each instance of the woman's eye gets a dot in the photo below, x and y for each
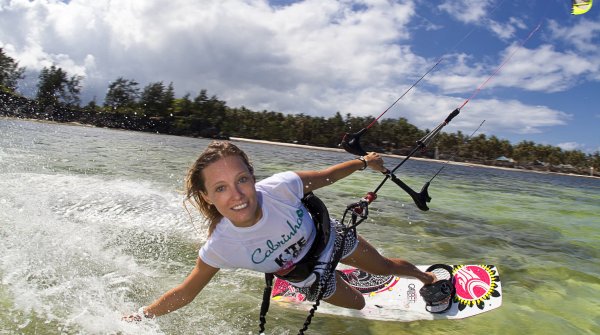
(243, 180)
(220, 189)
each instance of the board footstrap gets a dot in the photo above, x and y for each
(439, 295)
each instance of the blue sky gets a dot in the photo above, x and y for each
(319, 57)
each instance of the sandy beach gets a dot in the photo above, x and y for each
(240, 139)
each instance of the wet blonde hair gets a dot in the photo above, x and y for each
(195, 183)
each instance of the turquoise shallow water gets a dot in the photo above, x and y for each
(92, 226)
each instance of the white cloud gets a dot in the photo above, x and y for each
(584, 34)
(313, 57)
(567, 146)
(480, 14)
(246, 52)
(466, 11)
(543, 69)
(502, 117)
(508, 30)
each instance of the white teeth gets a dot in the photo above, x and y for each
(242, 206)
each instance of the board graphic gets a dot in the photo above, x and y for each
(478, 290)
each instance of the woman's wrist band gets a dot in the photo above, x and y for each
(365, 164)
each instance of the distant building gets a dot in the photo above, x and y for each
(505, 159)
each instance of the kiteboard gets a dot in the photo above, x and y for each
(393, 298)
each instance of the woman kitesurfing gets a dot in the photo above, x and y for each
(265, 226)
(277, 226)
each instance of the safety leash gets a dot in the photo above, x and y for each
(266, 301)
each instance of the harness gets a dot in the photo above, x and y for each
(306, 266)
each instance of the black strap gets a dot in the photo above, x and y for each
(264, 307)
(330, 268)
(439, 295)
(305, 267)
(320, 216)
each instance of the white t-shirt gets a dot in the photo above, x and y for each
(281, 238)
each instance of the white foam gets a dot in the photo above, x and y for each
(68, 247)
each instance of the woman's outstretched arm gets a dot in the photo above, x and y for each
(180, 295)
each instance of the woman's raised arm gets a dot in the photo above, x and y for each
(313, 180)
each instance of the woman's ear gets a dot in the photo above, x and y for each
(205, 197)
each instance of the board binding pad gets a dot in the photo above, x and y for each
(393, 298)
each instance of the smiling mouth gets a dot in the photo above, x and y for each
(240, 206)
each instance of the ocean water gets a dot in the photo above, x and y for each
(92, 226)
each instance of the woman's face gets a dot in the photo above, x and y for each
(230, 188)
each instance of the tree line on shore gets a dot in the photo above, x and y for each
(155, 108)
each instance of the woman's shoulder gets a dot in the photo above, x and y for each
(280, 177)
(286, 186)
(279, 180)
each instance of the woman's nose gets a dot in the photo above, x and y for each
(237, 192)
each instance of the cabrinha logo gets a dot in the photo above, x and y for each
(474, 285)
(292, 251)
